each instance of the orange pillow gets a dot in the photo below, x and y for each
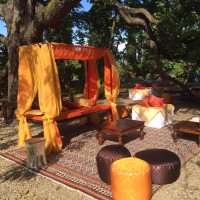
(155, 101)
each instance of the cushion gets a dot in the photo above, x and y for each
(33, 112)
(155, 101)
(83, 102)
(64, 108)
(144, 102)
(70, 105)
(140, 87)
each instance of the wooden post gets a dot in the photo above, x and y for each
(35, 153)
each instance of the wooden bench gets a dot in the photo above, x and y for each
(76, 113)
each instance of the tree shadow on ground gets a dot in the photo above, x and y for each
(15, 172)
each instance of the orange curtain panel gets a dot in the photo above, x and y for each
(111, 77)
(111, 82)
(49, 95)
(92, 83)
(37, 69)
(27, 88)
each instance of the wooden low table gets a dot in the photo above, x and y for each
(121, 127)
(187, 127)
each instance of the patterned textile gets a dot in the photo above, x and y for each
(76, 166)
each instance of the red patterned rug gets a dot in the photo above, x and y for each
(76, 165)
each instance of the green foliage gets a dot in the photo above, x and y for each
(3, 1)
(175, 69)
(177, 36)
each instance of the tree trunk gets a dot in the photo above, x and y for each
(12, 79)
(26, 21)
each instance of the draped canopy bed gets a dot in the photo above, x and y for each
(38, 75)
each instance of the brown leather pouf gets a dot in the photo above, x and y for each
(106, 156)
(165, 165)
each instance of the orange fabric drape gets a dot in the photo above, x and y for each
(25, 97)
(111, 82)
(92, 83)
(49, 95)
(111, 77)
(76, 52)
(37, 69)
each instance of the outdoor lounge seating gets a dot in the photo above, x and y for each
(165, 165)
(153, 111)
(131, 179)
(38, 77)
(106, 156)
(36, 157)
(66, 115)
(153, 116)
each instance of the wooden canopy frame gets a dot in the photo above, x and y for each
(38, 74)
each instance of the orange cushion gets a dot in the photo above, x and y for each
(33, 113)
(83, 102)
(155, 101)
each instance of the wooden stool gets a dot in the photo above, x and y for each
(131, 179)
(35, 153)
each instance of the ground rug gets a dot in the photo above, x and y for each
(76, 166)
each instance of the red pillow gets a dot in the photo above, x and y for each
(155, 101)
(144, 102)
(70, 105)
(140, 87)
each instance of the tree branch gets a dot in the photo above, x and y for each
(131, 13)
(52, 14)
(2, 9)
(135, 11)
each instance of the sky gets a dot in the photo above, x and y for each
(3, 29)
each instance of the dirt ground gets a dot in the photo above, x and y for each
(17, 182)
